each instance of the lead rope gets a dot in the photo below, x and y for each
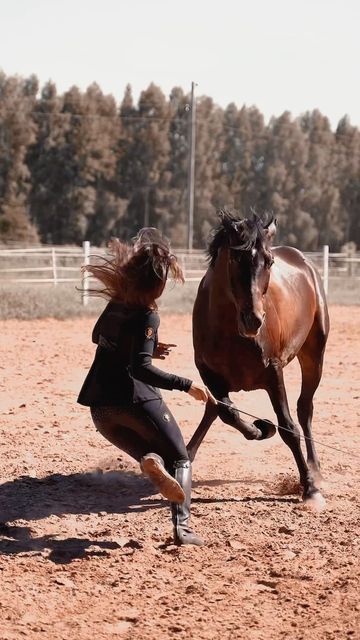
(322, 444)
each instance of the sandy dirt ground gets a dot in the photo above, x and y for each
(85, 542)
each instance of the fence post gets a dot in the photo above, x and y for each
(326, 267)
(54, 266)
(183, 265)
(351, 255)
(85, 277)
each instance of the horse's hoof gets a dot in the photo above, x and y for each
(266, 427)
(315, 502)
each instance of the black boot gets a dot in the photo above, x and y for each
(181, 512)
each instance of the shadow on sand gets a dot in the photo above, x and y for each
(115, 492)
(29, 498)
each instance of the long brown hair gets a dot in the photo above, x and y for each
(136, 274)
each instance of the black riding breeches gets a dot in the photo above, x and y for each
(143, 428)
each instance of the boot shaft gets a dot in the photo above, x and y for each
(181, 512)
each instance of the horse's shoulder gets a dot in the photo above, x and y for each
(289, 255)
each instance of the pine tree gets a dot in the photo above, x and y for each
(287, 183)
(174, 189)
(207, 168)
(145, 157)
(323, 196)
(17, 132)
(73, 165)
(347, 140)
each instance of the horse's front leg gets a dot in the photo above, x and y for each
(259, 430)
(227, 411)
(290, 433)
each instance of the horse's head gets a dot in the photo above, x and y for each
(247, 244)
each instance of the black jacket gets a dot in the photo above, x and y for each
(122, 373)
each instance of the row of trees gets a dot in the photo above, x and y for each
(77, 166)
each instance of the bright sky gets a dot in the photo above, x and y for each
(280, 55)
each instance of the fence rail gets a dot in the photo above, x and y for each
(59, 265)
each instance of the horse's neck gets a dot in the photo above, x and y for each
(221, 304)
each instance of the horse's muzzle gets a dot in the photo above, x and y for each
(250, 323)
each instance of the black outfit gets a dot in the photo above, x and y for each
(122, 386)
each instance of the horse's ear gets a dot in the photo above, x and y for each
(221, 214)
(270, 229)
(228, 222)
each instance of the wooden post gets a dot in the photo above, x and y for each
(326, 267)
(85, 276)
(191, 168)
(54, 267)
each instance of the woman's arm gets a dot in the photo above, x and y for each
(144, 338)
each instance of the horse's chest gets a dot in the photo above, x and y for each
(238, 360)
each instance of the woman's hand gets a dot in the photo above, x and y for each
(200, 392)
(162, 350)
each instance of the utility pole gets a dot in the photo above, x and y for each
(146, 206)
(191, 168)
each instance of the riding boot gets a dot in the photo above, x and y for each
(181, 512)
(152, 465)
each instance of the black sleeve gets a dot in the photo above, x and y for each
(100, 324)
(145, 335)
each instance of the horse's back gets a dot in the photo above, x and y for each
(297, 287)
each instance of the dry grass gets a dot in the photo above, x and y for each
(26, 302)
(344, 291)
(42, 301)
(64, 301)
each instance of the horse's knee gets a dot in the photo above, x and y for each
(230, 415)
(227, 414)
(304, 407)
(290, 434)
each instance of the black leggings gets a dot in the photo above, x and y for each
(143, 428)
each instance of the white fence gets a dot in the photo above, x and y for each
(57, 265)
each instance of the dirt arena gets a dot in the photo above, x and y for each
(85, 546)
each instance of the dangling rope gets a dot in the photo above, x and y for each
(322, 444)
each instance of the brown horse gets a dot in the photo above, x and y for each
(257, 308)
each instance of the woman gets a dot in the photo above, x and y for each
(122, 386)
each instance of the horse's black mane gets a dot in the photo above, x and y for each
(246, 234)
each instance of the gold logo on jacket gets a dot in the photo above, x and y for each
(149, 332)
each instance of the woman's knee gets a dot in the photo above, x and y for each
(168, 435)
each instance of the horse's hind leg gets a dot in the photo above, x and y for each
(311, 362)
(289, 432)
(211, 412)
